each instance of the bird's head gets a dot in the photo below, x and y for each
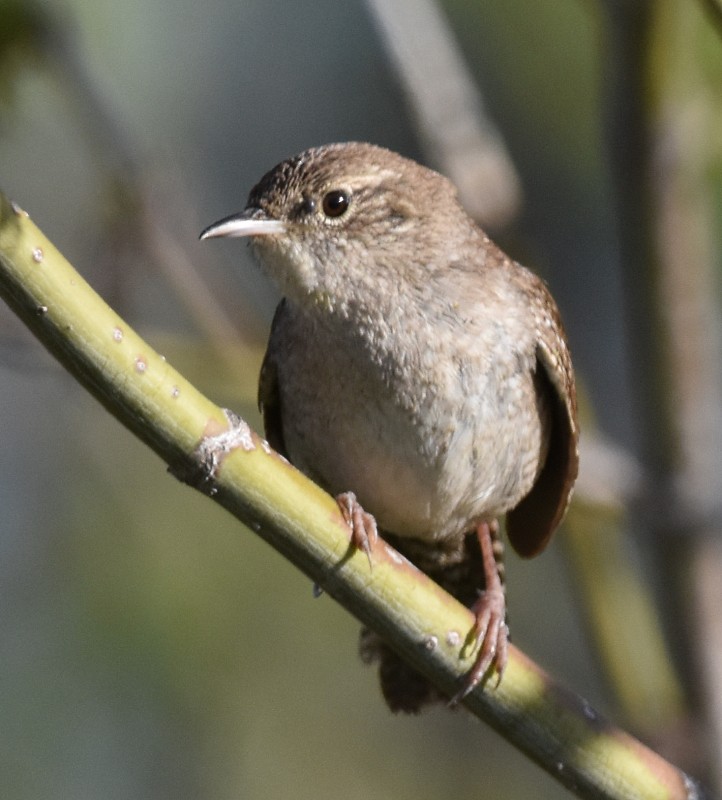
(334, 216)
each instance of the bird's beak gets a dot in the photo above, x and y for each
(251, 222)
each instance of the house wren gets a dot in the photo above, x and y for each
(414, 371)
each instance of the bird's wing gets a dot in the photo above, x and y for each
(269, 395)
(532, 522)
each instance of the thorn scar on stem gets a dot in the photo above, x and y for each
(212, 450)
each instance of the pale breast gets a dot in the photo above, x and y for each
(430, 436)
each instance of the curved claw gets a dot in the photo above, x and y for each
(490, 630)
(364, 532)
(492, 633)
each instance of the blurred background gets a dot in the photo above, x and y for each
(151, 647)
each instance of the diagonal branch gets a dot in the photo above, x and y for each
(555, 728)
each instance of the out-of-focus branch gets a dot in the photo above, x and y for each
(617, 604)
(454, 127)
(658, 159)
(135, 217)
(689, 261)
(714, 13)
(629, 142)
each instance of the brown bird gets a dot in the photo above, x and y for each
(417, 373)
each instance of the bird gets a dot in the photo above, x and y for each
(417, 373)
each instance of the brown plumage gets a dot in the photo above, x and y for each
(413, 364)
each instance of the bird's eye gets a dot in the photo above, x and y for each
(335, 203)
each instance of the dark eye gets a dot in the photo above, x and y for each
(335, 203)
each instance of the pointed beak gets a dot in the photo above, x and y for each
(251, 222)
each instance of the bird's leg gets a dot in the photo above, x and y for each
(364, 532)
(490, 629)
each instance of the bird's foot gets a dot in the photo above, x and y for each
(492, 633)
(364, 533)
(490, 630)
